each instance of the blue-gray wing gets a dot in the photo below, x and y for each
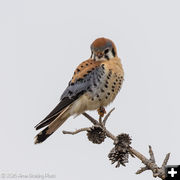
(85, 83)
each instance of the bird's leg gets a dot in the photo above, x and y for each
(101, 112)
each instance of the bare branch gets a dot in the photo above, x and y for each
(150, 163)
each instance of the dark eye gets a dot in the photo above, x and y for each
(106, 51)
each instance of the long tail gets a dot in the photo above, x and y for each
(53, 126)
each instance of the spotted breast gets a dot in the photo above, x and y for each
(102, 79)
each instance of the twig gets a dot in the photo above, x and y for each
(150, 163)
(76, 132)
(107, 116)
(90, 118)
(100, 119)
(152, 158)
(142, 170)
(165, 160)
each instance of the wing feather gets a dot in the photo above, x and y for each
(55, 112)
(83, 81)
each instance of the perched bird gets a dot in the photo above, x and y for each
(94, 85)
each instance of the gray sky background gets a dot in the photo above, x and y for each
(42, 42)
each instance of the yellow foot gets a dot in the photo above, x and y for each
(101, 111)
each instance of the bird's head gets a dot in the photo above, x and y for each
(103, 49)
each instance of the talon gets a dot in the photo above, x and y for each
(101, 111)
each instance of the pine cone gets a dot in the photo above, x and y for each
(123, 141)
(96, 134)
(118, 156)
(120, 153)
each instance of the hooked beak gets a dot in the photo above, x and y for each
(99, 55)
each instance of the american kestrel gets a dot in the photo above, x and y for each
(94, 85)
